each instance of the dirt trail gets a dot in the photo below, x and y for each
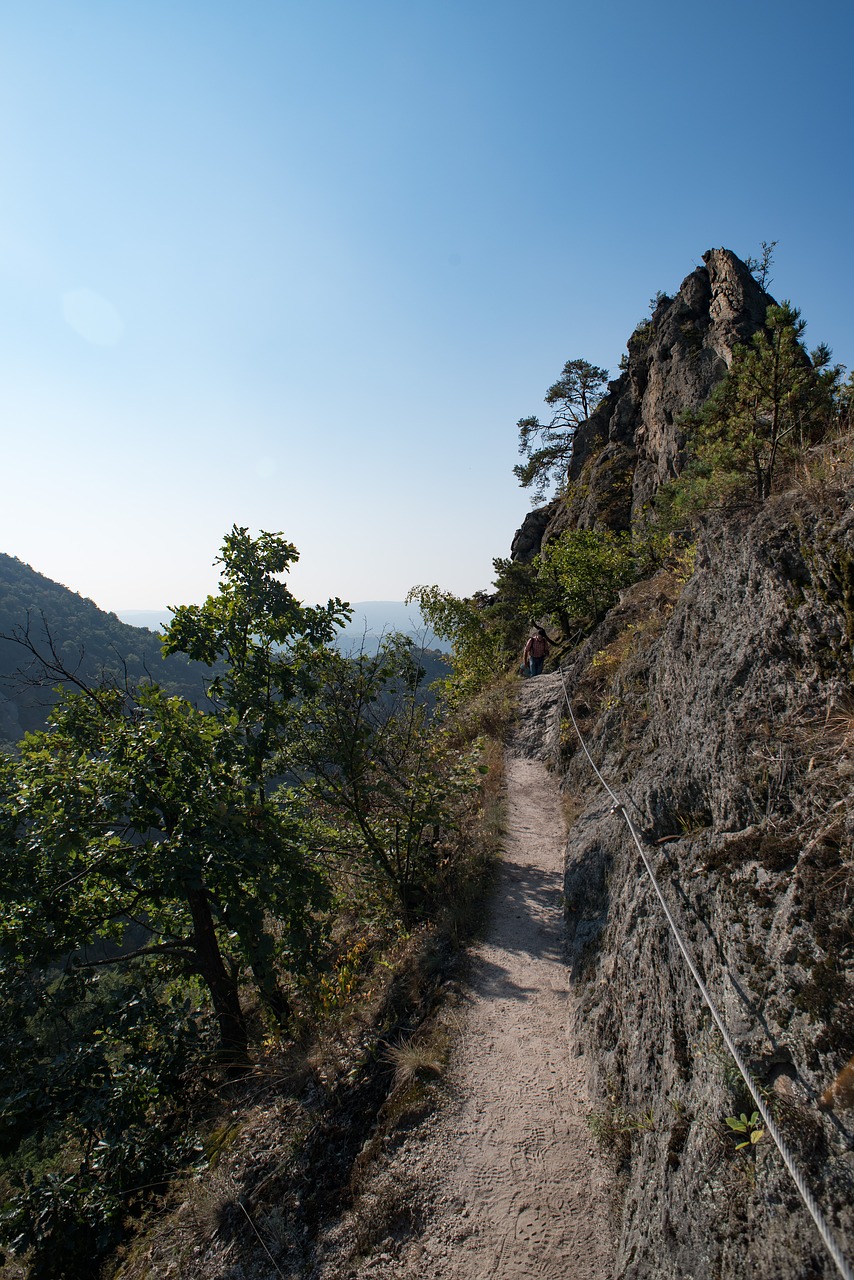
(506, 1178)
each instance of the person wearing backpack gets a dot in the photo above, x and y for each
(536, 651)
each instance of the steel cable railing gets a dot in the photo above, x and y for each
(795, 1173)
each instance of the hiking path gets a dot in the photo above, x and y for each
(505, 1181)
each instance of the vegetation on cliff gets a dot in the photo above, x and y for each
(547, 446)
(738, 429)
(774, 404)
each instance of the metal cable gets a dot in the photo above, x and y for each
(795, 1173)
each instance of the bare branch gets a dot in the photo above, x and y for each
(51, 668)
(181, 949)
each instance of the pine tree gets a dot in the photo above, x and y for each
(547, 446)
(775, 401)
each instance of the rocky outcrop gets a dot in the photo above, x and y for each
(717, 699)
(634, 440)
(720, 708)
(528, 538)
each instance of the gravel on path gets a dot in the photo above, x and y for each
(505, 1181)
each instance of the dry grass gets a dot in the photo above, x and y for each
(491, 816)
(488, 715)
(839, 728)
(420, 1057)
(825, 750)
(825, 466)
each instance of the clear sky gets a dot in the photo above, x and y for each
(302, 266)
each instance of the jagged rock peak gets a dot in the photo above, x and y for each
(737, 304)
(633, 441)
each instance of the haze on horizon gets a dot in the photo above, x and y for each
(302, 268)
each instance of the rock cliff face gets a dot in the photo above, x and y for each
(717, 699)
(720, 708)
(528, 539)
(633, 441)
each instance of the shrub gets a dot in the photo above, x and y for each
(590, 567)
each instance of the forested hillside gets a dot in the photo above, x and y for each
(76, 634)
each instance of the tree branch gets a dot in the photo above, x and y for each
(183, 950)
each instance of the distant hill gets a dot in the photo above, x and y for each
(89, 641)
(93, 643)
(372, 619)
(151, 619)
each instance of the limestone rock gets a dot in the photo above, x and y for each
(633, 441)
(527, 539)
(719, 709)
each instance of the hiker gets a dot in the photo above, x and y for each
(536, 651)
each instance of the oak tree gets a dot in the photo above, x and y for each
(138, 813)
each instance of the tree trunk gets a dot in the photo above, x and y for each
(260, 950)
(261, 959)
(234, 1042)
(272, 994)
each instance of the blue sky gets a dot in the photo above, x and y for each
(302, 267)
